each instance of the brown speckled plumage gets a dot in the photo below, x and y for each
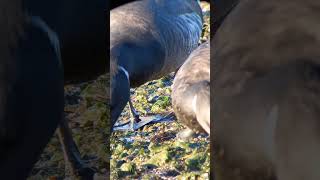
(266, 91)
(195, 70)
(140, 21)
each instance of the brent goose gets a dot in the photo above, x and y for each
(80, 28)
(149, 39)
(31, 89)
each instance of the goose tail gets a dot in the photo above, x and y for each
(201, 104)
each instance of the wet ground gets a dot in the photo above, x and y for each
(154, 152)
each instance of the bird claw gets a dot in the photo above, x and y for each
(135, 125)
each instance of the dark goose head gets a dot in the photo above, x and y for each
(191, 90)
(31, 89)
(149, 39)
(266, 91)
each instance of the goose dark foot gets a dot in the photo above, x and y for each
(131, 125)
(136, 120)
(135, 123)
(154, 119)
(72, 155)
(144, 121)
(81, 170)
(134, 113)
(85, 172)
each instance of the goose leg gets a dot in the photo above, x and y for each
(135, 115)
(120, 95)
(72, 154)
(136, 122)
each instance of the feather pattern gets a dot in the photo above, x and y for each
(176, 25)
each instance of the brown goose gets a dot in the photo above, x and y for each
(149, 39)
(266, 83)
(191, 90)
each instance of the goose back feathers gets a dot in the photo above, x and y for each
(169, 29)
